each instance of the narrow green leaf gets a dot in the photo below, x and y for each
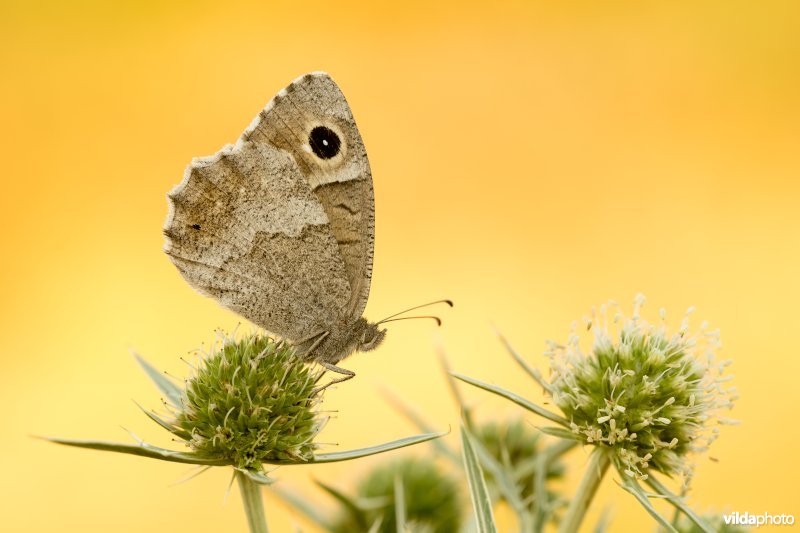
(521, 362)
(143, 450)
(258, 478)
(679, 503)
(372, 450)
(301, 504)
(466, 411)
(604, 521)
(350, 504)
(376, 525)
(171, 392)
(505, 483)
(519, 400)
(542, 508)
(178, 432)
(633, 487)
(481, 503)
(410, 413)
(561, 433)
(399, 504)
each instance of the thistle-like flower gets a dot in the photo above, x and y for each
(642, 396)
(649, 395)
(516, 445)
(430, 501)
(250, 402)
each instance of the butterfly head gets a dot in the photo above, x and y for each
(371, 337)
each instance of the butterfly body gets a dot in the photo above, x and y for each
(279, 227)
(338, 343)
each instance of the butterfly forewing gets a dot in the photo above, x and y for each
(296, 121)
(280, 227)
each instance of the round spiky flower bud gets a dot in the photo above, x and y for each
(649, 395)
(431, 499)
(250, 401)
(516, 445)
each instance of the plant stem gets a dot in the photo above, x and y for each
(253, 504)
(598, 464)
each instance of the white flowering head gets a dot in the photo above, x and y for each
(649, 395)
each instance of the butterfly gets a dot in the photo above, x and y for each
(280, 226)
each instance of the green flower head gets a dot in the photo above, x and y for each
(649, 395)
(431, 499)
(516, 445)
(250, 402)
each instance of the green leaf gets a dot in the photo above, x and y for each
(466, 412)
(421, 423)
(481, 503)
(399, 504)
(372, 450)
(178, 432)
(521, 362)
(678, 503)
(561, 433)
(633, 487)
(350, 504)
(505, 483)
(541, 507)
(604, 521)
(519, 400)
(256, 477)
(172, 393)
(376, 525)
(300, 503)
(143, 449)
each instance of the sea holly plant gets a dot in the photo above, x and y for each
(644, 398)
(249, 404)
(517, 463)
(518, 466)
(408, 494)
(511, 454)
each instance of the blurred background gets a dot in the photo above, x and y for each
(529, 160)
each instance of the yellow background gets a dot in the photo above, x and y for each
(529, 161)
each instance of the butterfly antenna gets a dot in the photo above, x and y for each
(436, 318)
(448, 302)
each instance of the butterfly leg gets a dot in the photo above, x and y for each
(320, 336)
(348, 374)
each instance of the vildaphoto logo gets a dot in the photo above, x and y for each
(758, 520)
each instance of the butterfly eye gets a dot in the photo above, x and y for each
(324, 142)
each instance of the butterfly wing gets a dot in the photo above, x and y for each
(312, 122)
(280, 227)
(245, 229)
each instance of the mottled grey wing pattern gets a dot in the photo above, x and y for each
(275, 227)
(343, 183)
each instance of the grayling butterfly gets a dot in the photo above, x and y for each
(280, 226)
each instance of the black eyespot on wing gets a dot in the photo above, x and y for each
(196, 226)
(324, 142)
